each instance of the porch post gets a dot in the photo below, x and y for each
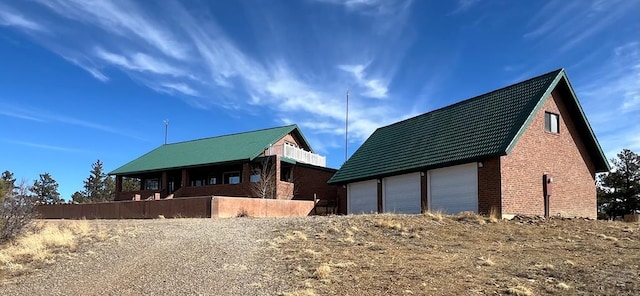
(185, 178)
(165, 182)
(276, 178)
(118, 184)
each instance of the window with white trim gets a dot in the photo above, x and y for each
(552, 122)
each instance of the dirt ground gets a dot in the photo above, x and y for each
(427, 254)
(460, 255)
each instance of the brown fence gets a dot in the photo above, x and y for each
(188, 207)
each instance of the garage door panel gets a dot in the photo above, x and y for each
(454, 189)
(362, 197)
(401, 194)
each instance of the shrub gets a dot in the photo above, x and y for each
(16, 211)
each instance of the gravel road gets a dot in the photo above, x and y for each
(166, 257)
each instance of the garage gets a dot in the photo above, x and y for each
(453, 189)
(401, 194)
(362, 197)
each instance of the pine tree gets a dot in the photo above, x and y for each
(7, 184)
(97, 187)
(619, 190)
(46, 189)
(130, 184)
(79, 197)
(93, 185)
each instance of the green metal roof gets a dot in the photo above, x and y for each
(242, 146)
(484, 126)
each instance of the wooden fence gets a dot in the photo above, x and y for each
(187, 207)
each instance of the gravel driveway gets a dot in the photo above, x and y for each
(166, 257)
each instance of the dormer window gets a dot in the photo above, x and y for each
(552, 122)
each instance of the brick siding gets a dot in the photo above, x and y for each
(563, 156)
(489, 186)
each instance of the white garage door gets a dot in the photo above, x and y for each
(454, 189)
(362, 197)
(401, 194)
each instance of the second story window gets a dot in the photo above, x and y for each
(552, 122)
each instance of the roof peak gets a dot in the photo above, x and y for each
(293, 126)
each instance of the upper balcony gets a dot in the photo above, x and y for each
(297, 154)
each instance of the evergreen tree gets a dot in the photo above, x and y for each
(94, 183)
(130, 184)
(97, 187)
(79, 197)
(619, 190)
(46, 189)
(7, 184)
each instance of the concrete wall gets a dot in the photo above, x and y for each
(563, 156)
(226, 207)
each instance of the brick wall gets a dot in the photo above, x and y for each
(311, 180)
(563, 156)
(489, 186)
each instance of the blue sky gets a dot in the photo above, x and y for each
(87, 80)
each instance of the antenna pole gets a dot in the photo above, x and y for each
(346, 129)
(166, 130)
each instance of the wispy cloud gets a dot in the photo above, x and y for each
(371, 7)
(138, 62)
(122, 18)
(373, 88)
(190, 56)
(611, 94)
(464, 5)
(10, 18)
(42, 146)
(43, 116)
(570, 23)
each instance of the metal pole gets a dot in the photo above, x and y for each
(346, 130)
(166, 130)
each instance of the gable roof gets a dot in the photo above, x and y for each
(234, 147)
(484, 126)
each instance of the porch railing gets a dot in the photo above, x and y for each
(304, 156)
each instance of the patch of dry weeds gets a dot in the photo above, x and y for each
(43, 244)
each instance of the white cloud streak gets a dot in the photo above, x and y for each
(42, 116)
(464, 6)
(122, 18)
(373, 88)
(190, 56)
(42, 146)
(573, 22)
(12, 19)
(611, 97)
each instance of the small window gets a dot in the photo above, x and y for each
(213, 181)
(152, 184)
(285, 174)
(232, 178)
(552, 122)
(255, 178)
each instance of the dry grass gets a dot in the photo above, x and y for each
(520, 291)
(305, 292)
(43, 243)
(323, 271)
(563, 286)
(437, 254)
